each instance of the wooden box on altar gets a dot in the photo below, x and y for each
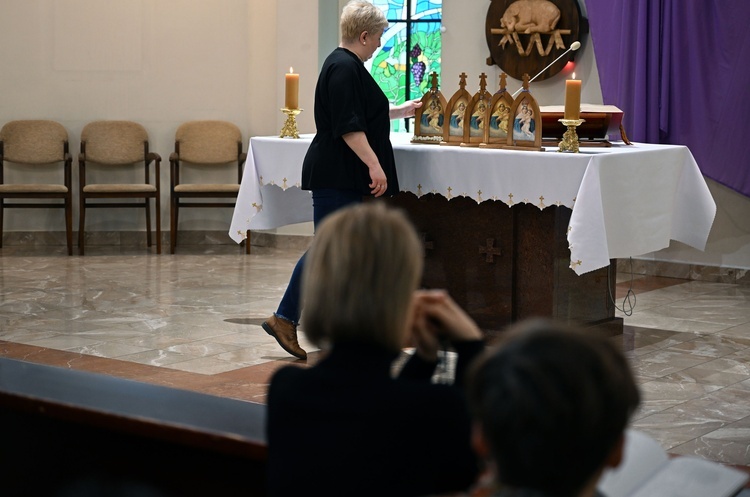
(600, 121)
(503, 264)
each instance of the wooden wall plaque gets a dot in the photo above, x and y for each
(524, 36)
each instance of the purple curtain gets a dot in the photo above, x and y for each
(680, 70)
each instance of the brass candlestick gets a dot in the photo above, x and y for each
(569, 141)
(290, 125)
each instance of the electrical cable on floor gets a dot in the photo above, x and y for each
(628, 302)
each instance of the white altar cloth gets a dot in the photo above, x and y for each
(625, 200)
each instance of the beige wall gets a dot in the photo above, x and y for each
(162, 62)
(158, 62)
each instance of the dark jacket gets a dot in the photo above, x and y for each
(347, 427)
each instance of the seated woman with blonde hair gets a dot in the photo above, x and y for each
(347, 425)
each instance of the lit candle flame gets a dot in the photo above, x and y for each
(574, 75)
(291, 70)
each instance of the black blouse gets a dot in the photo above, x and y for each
(347, 99)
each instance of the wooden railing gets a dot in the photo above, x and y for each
(69, 431)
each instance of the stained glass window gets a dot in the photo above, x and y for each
(403, 72)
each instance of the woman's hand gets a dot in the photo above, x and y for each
(357, 141)
(425, 340)
(436, 316)
(379, 182)
(406, 109)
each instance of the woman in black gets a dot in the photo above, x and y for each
(351, 155)
(347, 426)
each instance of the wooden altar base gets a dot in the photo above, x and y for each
(504, 264)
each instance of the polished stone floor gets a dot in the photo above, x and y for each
(192, 320)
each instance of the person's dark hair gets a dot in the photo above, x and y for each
(552, 404)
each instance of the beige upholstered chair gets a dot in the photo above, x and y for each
(118, 145)
(35, 143)
(212, 143)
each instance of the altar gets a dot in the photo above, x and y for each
(545, 225)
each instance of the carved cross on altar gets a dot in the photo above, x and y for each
(425, 244)
(482, 83)
(490, 250)
(526, 81)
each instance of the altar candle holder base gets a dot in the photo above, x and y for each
(290, 125)
(569, 141)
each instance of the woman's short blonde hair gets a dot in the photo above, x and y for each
(359, 277)
(359, 16)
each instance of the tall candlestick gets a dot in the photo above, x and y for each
(292, 90)
(573, 98)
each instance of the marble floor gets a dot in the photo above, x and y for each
(192, 321)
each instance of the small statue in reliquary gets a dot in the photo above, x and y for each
(429, 119)
(496, 131)
(476, 115)
(453, 132)
(526, 130)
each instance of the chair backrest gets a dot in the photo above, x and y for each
(114, 142)
(34, 141)
(208, 142)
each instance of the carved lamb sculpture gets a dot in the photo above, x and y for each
(530, 16)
